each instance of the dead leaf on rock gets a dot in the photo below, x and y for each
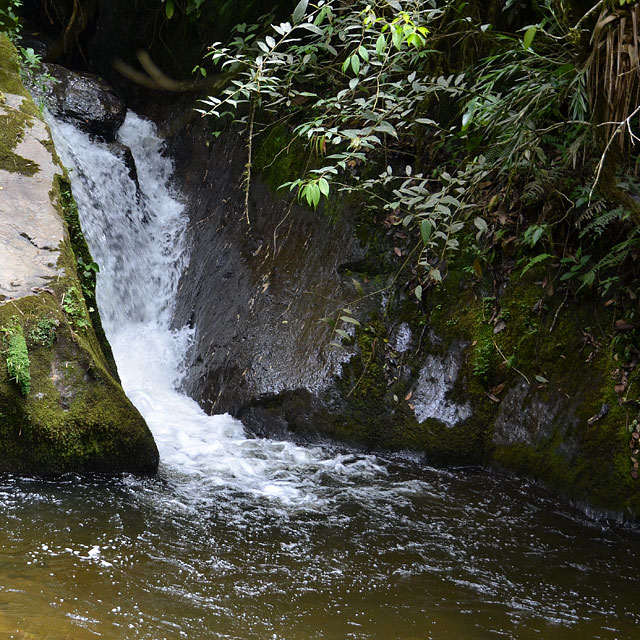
(623, 326)
(397, 251)
(497, 390)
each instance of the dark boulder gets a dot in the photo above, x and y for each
(86, 100)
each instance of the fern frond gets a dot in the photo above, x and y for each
(598, 225)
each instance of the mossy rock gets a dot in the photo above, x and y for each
(62, 408)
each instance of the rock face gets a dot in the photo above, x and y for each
(463, 377)
(30, 228)
(61, 406)
(86, 100)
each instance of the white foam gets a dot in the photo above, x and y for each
(137, 236)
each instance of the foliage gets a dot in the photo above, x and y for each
(74, 307)
(17, 356)
(460, 156)
(9, 19)
(44, 333)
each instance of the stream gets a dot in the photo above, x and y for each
(247, 539)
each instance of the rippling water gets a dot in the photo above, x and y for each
(255, 539)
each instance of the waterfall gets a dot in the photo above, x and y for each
(135, 227)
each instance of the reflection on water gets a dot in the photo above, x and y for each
(418, 554)
(255, 539)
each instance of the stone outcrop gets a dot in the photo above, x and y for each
(469, 375)
(61, 405)
(86, 100)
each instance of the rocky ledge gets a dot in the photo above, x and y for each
(62, 408)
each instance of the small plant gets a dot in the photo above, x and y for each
(31, 70)
(44, 333)
(87, 272)
(73, 307)
(17, 356)
(482, 358)
(9, 20)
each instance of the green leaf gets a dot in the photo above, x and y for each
(350, 320)
(315, 195)
(363, 53)
(386, 127)
(396, 37)
(355, 63)
(345, 64)
(528, 37)
(324, 187)
(358, 287)
(381, 45)
(169, 9)
(480, 224)
(425, 230)
(542, 379)
(418, 292)
(342, 333)
(313, 28)
(299, 11)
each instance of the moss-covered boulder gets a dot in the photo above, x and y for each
(61, 405)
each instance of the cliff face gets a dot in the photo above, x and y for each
(61, 405)
(505, 372)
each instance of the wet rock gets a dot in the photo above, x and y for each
(31, 229)
(432, 395)
(256, 294)
(62, 408)
(528, 418)
(86, 100)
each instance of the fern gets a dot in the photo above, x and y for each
(616, 256)
(544, 181)
(598, 225)
(594, 209)
(541, 257)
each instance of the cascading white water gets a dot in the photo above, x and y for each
(137, 236)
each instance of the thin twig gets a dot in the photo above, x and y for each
(625, 122)
(555, 317)
(507, 362)
(586, 15)
(247, 174)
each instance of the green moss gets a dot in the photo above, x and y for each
(12, 127)
(10, 69)
(13, 121)
(76, 417)
(280, 158)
